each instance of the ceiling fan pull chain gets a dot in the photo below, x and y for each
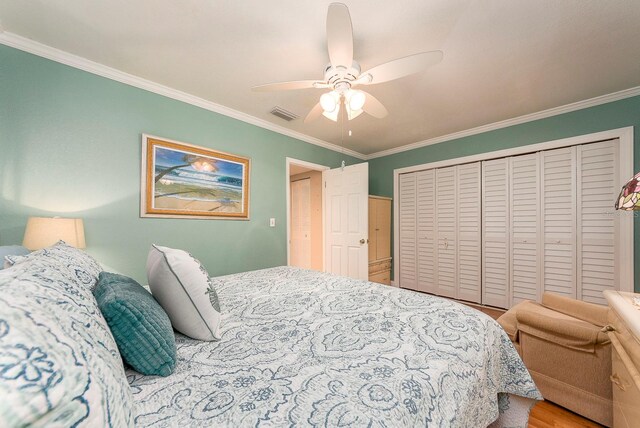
(342, 136)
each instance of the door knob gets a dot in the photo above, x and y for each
(362, 241)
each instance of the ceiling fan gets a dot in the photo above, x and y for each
(343, 74)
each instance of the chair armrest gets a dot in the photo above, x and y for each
(589, 312)
(561, 330)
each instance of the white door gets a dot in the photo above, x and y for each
(407, 230)
(346, 220)
(301, 223)
(524, 202)
(598, 225)
(558, 200)
(426, 231)
(495, 239)
(468, 227)
(446, 226)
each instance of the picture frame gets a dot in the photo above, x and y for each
(180, 180)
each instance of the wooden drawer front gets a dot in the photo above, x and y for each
(376, 267)
(628, 341)
(626, 388)
(381, 277)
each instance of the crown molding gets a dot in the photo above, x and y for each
(60, 56)
(579, 105)
(57, 55)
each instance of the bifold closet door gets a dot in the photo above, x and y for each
(496, 250)
(407, 230)
(558, 197)
(524, 203)
(426, 219)
(597, 222)
(469, 213)
(446, 231)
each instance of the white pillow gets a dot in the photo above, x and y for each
(183, 288)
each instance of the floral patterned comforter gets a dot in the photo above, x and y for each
(303, 348)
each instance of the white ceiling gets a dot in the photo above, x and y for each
(502, 58)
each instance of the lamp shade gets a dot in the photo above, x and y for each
(629, 198)
(356, 99)
(43, 232)
(330, 101)
(332, 115)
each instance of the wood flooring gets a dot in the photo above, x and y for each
(548, 415)
(545, 414)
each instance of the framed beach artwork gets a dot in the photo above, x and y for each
(184, 181)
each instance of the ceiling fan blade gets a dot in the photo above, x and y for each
(399, 68)
(339, 35)
(287, 86)
(315, 112)
(374, 107)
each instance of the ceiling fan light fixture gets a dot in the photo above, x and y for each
(355, 99)
(330, 102)
(344, 73)
(352, 114)
(332, 115)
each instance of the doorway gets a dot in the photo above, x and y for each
(305, 214)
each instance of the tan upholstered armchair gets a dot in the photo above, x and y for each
(563, 343)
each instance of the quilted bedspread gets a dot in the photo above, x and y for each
(303, 348)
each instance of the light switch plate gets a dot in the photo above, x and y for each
(272, 222)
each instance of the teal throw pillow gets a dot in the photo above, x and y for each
(139, 325)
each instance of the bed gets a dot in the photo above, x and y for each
(304, 348)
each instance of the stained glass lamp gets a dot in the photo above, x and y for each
(629, 199)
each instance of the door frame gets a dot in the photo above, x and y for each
(625, 137)
(316, 167)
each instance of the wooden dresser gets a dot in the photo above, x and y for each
(624, 319)
(380, 239)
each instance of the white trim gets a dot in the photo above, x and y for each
(625, 172)
(57, 55)
(579, 105)
(624, 134)
(314, 167)
(625, 137)
(395, 263)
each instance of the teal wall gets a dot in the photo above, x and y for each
(70, 146)
(613, 115)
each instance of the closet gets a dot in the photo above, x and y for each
(380, 239)
(440, 232)
(499, 231)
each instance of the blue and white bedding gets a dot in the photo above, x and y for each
(303, 348)
(59, 363)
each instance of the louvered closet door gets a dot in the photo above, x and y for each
(426, 219)
(469, 212)
(446, 222)
(524, 200)
(407, 225)
(495, 239)
(597, 220)
(559, 221)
